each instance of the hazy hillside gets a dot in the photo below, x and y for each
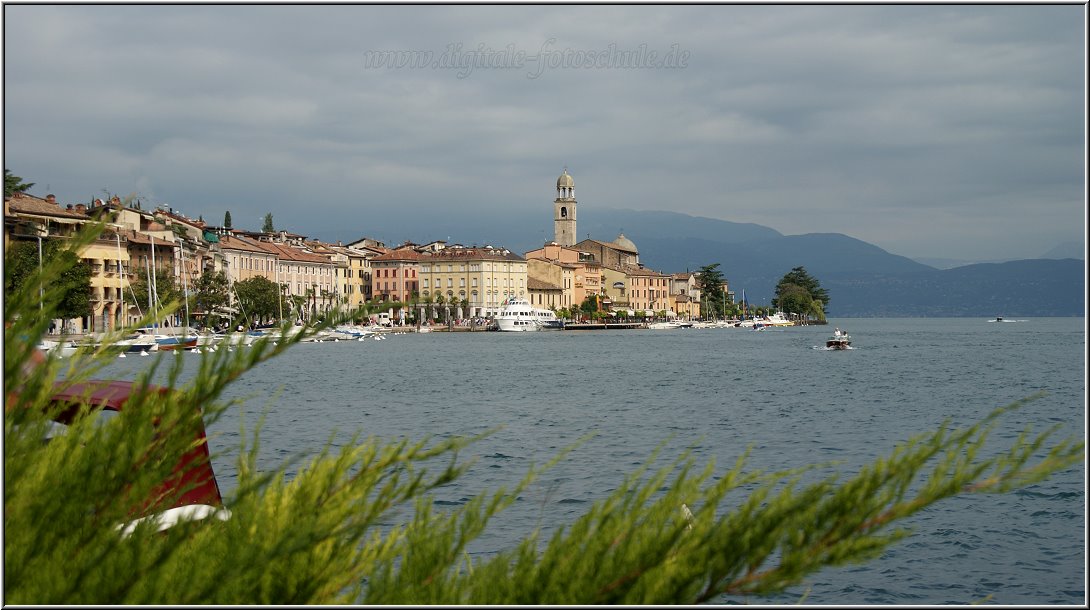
(606, 224)
(1068, 249)
(1030, 288)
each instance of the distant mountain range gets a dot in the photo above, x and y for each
(862, 279)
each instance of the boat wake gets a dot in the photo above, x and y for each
(822, 348)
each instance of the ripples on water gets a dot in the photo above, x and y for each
(719, 391)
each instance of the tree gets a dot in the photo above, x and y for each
(166, 291)
(14, 184)
(792, 298)
(799, 277)
(74, 283)
(817, 310)
(590, 305)
(710, 282)
(227, 219)
(211, 292)
(268, 226)
(258, 298)
(354, 524)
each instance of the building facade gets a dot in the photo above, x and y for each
(478, 280)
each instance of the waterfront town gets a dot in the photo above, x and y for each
(437, 282)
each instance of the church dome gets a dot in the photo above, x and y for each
(565, 180)
(625, 244)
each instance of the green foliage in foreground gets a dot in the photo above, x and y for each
(356, 525)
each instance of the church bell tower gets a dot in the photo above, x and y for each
(564, 210)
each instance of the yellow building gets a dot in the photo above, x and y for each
(352, 273)
(615, 286)
(586, 270)
(648, 291)
(34, 219)
(544, 295)
(478, 280)
(554, 273)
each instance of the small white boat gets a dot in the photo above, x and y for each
(777, 319)
(60, 348)
(518, 315)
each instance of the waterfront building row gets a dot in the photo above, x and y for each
(460, 281)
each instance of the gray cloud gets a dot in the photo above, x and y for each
(943, 131)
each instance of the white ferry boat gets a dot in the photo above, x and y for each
(518, 315)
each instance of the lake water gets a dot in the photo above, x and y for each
(776, 390)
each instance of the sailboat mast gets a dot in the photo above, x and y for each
(153, 293)
(121, 286)
(185, 285)
(279, 290)
(151, 305)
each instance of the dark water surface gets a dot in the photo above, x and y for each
(721, 390)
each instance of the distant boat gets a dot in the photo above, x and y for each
(175, 343)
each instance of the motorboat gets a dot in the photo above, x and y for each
(134, 343)
(518, 315)
(840, 340)
(168, 343)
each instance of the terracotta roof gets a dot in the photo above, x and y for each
(536, 284)
(143, 239)
(404, 254)
(21, 203)
(291, 253)
(643, 272)
(234, 242)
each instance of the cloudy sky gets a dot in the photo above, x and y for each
(930, 131)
